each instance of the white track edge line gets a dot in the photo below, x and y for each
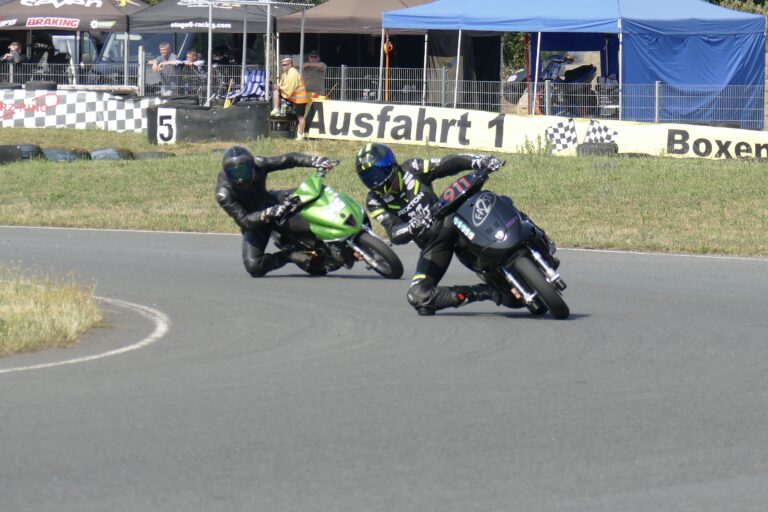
(162, 325)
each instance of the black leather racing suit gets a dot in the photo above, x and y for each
(437, 244)
(244, 204)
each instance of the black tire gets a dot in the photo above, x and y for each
(388, 264)
(10, 154)
(30, 151)
(10, 86)
(65, 155)
(546, 292)
(40, 85)
(111, 154)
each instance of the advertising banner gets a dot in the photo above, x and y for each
(487, 131)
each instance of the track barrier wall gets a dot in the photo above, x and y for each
(365, 121)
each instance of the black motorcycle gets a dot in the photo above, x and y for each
(503, 246)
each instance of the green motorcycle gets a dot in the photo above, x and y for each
(333, 229)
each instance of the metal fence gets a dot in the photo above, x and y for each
(732, 105)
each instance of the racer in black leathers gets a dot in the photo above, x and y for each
(399, 198)
(241, 191)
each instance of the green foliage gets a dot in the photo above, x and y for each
(753, 6)
(514, 52)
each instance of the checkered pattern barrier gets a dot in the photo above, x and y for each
(73, 109)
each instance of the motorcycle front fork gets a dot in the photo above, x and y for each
(359, 253)
(551, 275)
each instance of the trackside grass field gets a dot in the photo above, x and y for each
(37, 312)
(644, 204)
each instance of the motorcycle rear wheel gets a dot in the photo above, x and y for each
(388, 264)
(546, 292)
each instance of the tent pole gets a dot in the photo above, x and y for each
(424, 81)
(210, 54)
(75, 60)
(501, 73)
(381, 56)
(458, 62)
(243, 60)
(301, 44)
(126, 58)
(621, 72)
(267, 49)
(536, 72)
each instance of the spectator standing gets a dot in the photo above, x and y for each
(293, 90)
(192, 70)
(314, 61)
(165, 65)
(314, 73)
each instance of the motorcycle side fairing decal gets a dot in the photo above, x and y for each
(482, 207)
(463, 227)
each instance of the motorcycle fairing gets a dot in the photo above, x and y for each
(490, 225)
(331, 214)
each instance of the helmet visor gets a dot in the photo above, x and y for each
(241, 174)
(380, 172)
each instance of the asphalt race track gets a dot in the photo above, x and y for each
(213, 391)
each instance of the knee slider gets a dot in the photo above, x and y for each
(421, 294)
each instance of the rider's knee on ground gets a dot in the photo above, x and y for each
(426, 297)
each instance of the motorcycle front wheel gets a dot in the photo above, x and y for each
(379, 256)
(546, 292)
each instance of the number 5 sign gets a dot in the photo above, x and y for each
(166, 126)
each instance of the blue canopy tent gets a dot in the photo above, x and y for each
(680, 44)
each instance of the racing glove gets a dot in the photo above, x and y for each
(273, 212)
(321, 162)
(489, 162)
(419, 223)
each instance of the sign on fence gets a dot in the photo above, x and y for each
(477, 130)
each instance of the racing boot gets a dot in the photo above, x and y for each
(468, 294)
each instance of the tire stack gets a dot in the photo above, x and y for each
(21, 152)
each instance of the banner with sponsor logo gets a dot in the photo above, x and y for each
(84, 15)
(476, 130)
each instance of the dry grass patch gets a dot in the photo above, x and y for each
(38, 312)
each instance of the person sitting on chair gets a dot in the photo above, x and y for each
(293, 90)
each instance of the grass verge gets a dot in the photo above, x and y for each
(37, 312)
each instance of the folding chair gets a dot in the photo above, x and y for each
(252, 88)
